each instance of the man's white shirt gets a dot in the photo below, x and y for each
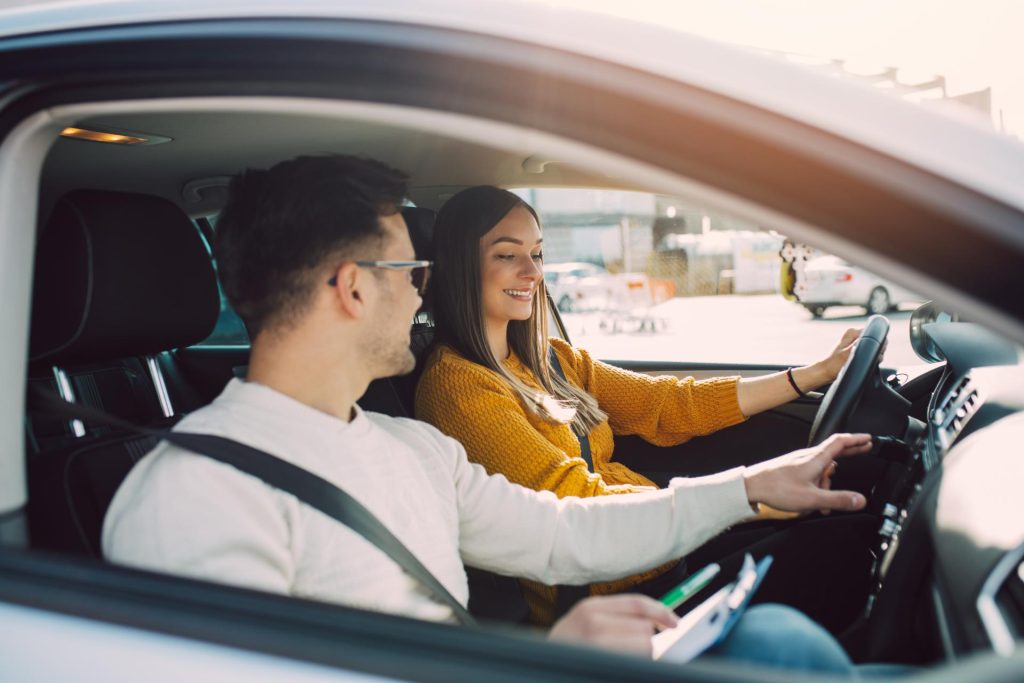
(182, 513)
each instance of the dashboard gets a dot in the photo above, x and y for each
(950, 550)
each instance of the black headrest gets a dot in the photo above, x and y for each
(421, 230)
(117, 275)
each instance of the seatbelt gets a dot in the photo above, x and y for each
(567, 596)
(309, 488)
(583, 438)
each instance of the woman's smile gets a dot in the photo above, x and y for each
(520, 294)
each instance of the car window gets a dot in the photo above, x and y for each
(229, 330)
(662, 279)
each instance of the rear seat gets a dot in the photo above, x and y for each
(120, 279)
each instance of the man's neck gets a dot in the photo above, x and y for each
(307, 374)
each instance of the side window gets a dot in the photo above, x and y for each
(638, 276)
(229, 330)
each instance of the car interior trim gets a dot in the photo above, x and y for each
(161, 386)
(941, 619)
(68, 394)
(998, 631)
(21, 162)
(322, 633)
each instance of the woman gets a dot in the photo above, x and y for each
(490, 383)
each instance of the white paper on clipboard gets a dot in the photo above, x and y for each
(706, 624)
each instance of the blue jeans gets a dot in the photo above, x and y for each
(782, 637)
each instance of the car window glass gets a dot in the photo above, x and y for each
(229, 330)
(639, 276)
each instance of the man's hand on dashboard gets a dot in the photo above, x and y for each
(800, 481)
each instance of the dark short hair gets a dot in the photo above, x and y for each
(283, 228)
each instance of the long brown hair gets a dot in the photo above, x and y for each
(458, 309)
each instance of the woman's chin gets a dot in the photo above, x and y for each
(520, 311)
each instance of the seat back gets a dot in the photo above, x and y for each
(120, 279)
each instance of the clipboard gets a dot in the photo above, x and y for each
(709, 623)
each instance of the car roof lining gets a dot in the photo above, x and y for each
(490, 152)
(258, 132)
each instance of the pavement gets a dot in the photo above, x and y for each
(731, 329)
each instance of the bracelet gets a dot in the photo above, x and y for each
(792, 383)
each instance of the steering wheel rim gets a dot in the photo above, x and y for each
(845, 393)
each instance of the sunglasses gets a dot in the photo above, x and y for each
(419, 271)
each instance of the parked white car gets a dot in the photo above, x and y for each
(576, 286)
(830, 281)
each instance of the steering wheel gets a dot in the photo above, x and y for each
(845, 393)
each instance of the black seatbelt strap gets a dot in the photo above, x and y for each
(567, 596)
(309, 488)
(583, 438)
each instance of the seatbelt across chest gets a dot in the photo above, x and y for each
(309, 488)
(583, 438)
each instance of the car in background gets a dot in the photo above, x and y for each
(577, 286)
(830, 281)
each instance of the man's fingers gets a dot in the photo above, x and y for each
(634, 605)
(619, 622)
(839, 500)
(841, 445)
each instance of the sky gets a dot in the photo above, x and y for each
(973, 43)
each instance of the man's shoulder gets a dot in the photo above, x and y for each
(405, 428)
(168, 470)
(419, 437)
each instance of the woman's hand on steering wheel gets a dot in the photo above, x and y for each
(859, 370)
(837, 359)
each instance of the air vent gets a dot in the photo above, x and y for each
(954, 411)
(1001, 603)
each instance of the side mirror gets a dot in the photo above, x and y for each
(927, 313)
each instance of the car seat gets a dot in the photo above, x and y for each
(120, 278)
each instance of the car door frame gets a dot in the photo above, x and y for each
(407, 64)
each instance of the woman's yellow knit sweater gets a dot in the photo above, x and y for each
(478, 408)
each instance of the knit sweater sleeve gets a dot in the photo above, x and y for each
(662, 410)
(476, 407)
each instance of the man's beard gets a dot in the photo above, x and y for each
(402, 362)
(388, 354)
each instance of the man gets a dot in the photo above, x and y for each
(310, 254)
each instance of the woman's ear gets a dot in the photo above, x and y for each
(348, 292)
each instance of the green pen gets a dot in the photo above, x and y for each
(690, 587)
